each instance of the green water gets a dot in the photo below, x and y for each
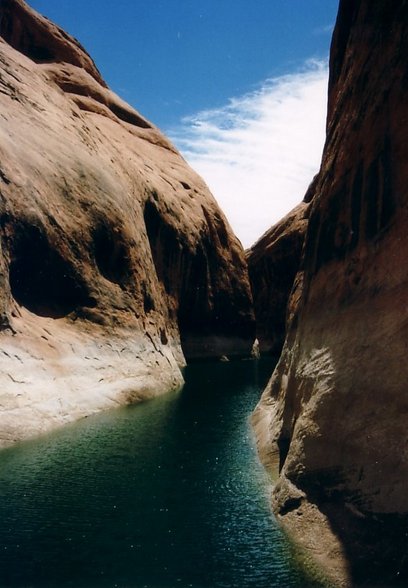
(164, 494)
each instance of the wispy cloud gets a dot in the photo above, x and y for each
(259, 152)
(324, 30)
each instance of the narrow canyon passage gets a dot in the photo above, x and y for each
(166, 493)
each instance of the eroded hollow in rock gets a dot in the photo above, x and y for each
(40, 279)
(184, 275)
(148, 302)
(111, 254)
(165, 247)
(211, 307)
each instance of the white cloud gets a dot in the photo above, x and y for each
(260, 151)
(324, 30)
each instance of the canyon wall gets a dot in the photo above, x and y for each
(116, 262)
(332, 422)
(273, 262)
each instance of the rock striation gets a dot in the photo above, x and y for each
(116, 263)
(333, 419)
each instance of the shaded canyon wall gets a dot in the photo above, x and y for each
(273, 262)
(332, 422)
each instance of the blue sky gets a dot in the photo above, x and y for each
(191, 65)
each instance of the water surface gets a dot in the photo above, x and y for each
(168, 493)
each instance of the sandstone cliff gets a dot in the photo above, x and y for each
(273, 262)
(333, 419)
(115, 259)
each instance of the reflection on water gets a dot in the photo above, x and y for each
(164, 494)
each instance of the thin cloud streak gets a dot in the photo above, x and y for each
(324, 30)
(259, 153)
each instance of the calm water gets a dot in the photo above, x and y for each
(165, 494)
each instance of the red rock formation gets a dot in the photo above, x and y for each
(273, 262)
(113, 251)
(334, 416)
(40, 40)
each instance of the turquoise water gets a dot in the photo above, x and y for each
(168, 493)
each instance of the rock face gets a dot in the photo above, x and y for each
(333, 418)
(273, 262)
(116, 261)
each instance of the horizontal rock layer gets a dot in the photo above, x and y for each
(115, 262)
(333, 417)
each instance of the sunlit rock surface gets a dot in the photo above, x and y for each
(333, 419)
(116, 262)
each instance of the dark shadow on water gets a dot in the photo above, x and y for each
(165, 494)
